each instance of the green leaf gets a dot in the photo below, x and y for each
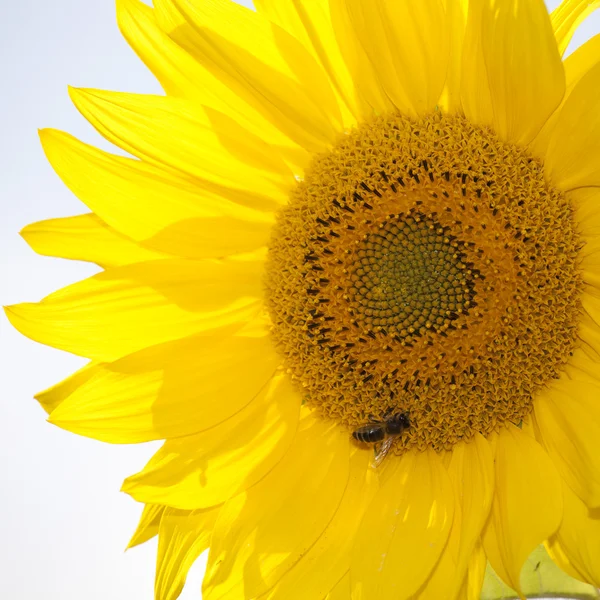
(540, 578)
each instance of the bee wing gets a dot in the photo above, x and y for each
(385, 448)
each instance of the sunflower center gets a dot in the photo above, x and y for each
(424, 267)
(408, 275)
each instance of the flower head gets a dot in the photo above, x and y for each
(352, 279)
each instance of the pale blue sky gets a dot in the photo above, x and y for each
(64, 523)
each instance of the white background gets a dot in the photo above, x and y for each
(63, 522)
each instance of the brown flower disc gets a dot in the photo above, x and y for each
(424, 267)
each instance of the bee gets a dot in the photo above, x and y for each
(385, 430)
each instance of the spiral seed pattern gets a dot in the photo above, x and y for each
(424, 267)
(410, 274)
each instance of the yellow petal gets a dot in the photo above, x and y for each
(170, 390)
(407, 43)
(574, 144)
(197, 141)
(404, 530)
(108, 315)
(182, 537)
(591, 305)
(369, 90)
(471, 472)
(586, 202)
(590, 253)
(511, 45)
(589, 324)
(473, 581)
(181, 75)
(329, 558)
(85, 237)
(341, 591)
(155, 208)
(456, 17)
(581, 61)
(178, 73)
(589, 335)
(206, 469)
(567, 17)
(581, 368)
(261, 62)
(213, 237)
(591, 291)
(310, 23)
(527, 505)
(568, 416)
(475, 92)
(261, 534)
(50, 398)
(577, 540)
(557, 554)
(148, 526)
(593, 279)
(576, 66)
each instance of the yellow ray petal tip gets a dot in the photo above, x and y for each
(126, 486)
(50, 137)
(15, 313)
(77, 93)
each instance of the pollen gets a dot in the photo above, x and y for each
(424, 267)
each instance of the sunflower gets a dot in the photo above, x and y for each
(352, 278)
